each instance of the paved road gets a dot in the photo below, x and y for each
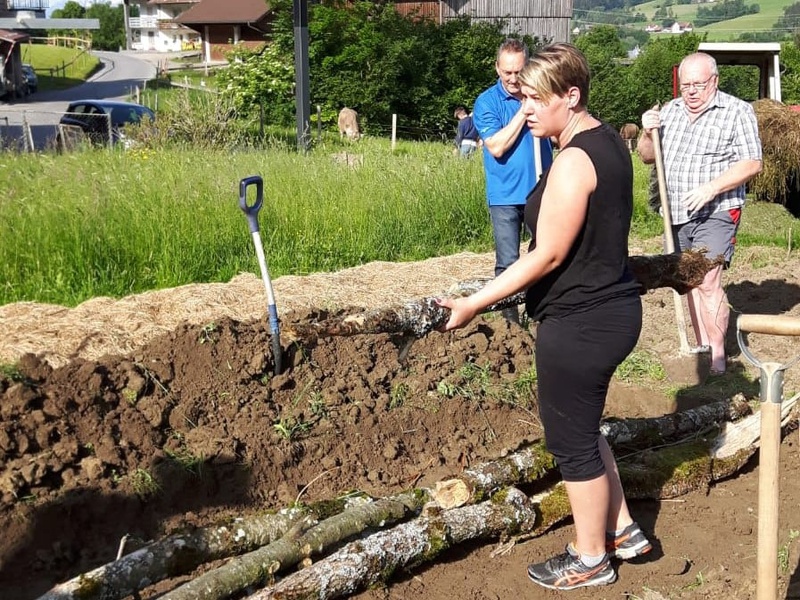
(119, 76)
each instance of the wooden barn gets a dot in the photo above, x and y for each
(547, 19)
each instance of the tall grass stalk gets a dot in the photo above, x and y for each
(112, 223)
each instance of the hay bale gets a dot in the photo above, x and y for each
(779, 129)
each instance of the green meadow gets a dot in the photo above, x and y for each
(770, 12)
(112, 223)
(58, 67)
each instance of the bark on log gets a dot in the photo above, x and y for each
(255, 567)
(533, 462)
(182, 553)
(375, 558)
(174, 555)
(677, 470)
(646, 432)
(682, 272)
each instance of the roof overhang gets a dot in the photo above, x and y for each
(741, 53)
(32, 24)
(13, 36)
(764, 55)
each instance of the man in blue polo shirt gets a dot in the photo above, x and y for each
(513, 158)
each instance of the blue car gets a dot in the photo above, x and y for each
(99, 119)
(30, 79)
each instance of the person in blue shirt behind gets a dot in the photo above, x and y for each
(466, 135)
(513, 159)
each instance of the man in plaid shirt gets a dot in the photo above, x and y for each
(711, 149)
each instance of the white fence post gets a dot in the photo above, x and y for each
(110, 133)
(394, 130)
(27, 134)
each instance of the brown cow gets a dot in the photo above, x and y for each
(348, 124)
(629, 132)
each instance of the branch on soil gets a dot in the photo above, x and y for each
(417, 318)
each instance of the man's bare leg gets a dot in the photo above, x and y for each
(710, 315)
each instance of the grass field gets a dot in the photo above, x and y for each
(59, 67)
(100, 223)
(771, 11)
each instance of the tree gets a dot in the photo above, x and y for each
(609, 96)
(651, 76)
(71, 10)
(111, 35)
(790, 21)
(369, 57)
(790, 76)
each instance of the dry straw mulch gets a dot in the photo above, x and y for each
(779, 129)
(117, 326)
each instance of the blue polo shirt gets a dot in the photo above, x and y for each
(510, 178)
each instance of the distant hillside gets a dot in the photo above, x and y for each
(770, 12)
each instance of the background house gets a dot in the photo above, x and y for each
(547, 19)
(32, 8)
(156, 30)
(223, 24)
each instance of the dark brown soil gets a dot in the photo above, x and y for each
(192, 425)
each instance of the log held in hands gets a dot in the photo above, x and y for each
(682, 272)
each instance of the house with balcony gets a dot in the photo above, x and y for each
(156, 30)
(31, 9)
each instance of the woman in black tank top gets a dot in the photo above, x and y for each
(587, 303)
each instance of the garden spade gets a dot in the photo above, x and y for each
(251, 212)
(669, 239)
(771, 384)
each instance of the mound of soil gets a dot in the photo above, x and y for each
(192, 425)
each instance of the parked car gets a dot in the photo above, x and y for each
(30, 78)
(100, 118)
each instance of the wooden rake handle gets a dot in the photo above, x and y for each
(769, 324)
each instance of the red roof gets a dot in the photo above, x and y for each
(224, 11)
(13, 36)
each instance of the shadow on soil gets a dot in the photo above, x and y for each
(83, 528)
(772, 297)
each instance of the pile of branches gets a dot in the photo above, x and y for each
(334, 549)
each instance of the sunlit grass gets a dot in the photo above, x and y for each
(58, 67)
(111, 223)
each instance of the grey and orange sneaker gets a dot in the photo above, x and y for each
(629, 544)
(567, 572)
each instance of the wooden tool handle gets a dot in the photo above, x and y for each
(666, 213)
(771, 324)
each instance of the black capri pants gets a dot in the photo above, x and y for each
(576, 355)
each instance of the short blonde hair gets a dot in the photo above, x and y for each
(554, 69)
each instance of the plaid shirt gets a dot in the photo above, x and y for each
(695, 153)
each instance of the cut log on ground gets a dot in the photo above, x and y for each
(181, 553)
(174, 555)
(253, 568)
(533, 462)
(647, 432)
(682, 272)
(374, 559)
